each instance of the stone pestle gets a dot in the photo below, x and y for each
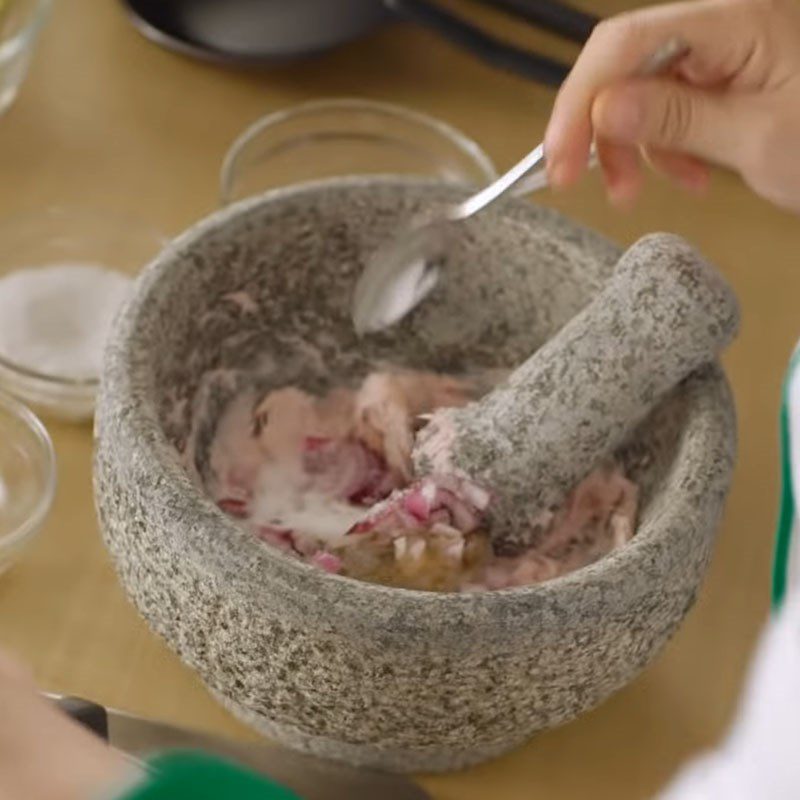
(664, 312)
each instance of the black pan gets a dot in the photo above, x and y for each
(263, 32)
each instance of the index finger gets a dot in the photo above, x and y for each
(716, 32)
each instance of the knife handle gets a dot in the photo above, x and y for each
(85, 712)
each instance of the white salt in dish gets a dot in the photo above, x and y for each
(55, 318)
(64, 273)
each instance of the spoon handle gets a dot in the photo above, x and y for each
(535, 178)
(505, 183)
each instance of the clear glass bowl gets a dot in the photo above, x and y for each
(27, 478)
(333, 138)
(56, 236)
(20, 23)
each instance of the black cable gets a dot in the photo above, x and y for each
(564, 20)
(486, 47)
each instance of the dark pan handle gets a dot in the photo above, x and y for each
(558, 18)
(483, 45)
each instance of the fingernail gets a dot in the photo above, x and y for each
(621, 196)
(697, 184)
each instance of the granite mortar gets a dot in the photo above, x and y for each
(389, 678)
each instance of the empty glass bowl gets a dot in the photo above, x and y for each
(58, 237)
(27, 478)
(334, 138)
(20, 23)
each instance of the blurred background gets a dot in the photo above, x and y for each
(107, 119)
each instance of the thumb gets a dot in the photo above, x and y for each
(674, 117)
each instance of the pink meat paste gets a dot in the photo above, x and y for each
(329, 480)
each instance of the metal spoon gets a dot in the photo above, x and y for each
(403, 271)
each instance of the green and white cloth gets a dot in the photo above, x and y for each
(758, 759)
(786, 569)
(198, 776)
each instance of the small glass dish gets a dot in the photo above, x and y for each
(27, 478)
(20, 23)
(54, 236)
(334, 138)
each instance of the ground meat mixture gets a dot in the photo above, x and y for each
(329, 480)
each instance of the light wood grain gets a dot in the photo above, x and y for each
(109, 119)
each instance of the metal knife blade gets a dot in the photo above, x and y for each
(309, 777)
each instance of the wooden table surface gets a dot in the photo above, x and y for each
(108, 119)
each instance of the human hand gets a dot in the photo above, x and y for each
(734, 100)
(43, 754)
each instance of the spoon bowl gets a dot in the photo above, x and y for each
(403, 271)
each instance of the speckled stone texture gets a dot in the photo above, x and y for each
(664, 313)
(383, 677)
